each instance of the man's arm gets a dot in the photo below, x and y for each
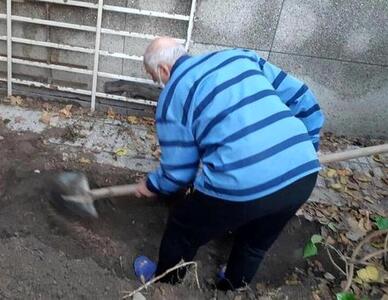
(298, 97)
(179, 161)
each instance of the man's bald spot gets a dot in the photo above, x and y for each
(161, 43)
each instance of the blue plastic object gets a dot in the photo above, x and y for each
(144, 268)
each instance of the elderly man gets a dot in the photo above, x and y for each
(246, 135)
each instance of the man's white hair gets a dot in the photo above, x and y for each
(167, 55)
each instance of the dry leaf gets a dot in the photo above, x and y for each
(16, 100)
(133, 120)
(377, 158)
(45, 118)
(19, 119)
(337, 187)
(156, 153)
(66, 111)
(355, 231)
(331, 172)
(343, 179)
(369, 274)
(352, 186)
(362, 178)
(110, 113)
(121, 151)
(344, 172)
(84, 160)
(46, 106)
(330, 240)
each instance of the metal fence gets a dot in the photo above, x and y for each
(98, 30)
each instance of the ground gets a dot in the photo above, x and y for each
(47, 255)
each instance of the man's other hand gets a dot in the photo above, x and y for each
(142, 190)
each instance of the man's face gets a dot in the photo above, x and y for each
(161, 75)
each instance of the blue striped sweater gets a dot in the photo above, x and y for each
(236, 126)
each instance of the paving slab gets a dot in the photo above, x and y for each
(348, 30)
(249, 24)
(353, 96)
(199, 48)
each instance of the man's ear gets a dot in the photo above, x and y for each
(164, 71)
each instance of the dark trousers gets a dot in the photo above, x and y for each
(201, 218)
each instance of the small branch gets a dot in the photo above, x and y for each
(355, 253)
(373, 254)
(178, 266)
(332, 260)
(386, 250)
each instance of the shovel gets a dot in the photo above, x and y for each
(71, 190)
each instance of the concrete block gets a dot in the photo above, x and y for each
(29, 9)
(349, 30)
(169, 6)
(69, 14)
(3, 48)
(72, 37)
(73, 80)
(3, 26)
(156, 26)
(198, 48)
(353, 96)
(240, 23)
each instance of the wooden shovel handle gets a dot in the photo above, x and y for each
(345, 155)
(113, 191)
(129, 189)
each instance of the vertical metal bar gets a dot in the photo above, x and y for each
(9, 48)
(96, 54)
(191, 24)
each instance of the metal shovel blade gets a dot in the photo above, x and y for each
(71, 192)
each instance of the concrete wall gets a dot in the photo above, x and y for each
(340, 48)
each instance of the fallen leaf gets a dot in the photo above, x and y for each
(369, 274)
(46, 106)
(352, 186)
(329, 276)
(316, 296)
(332, 226)
(369, 199)
(345, 240)
(337, 187)
(121, 151)
(19, 119)
(310, 250)
(84, 160)
(377, 158)
(330, 240)
(16, 100)
(110, 113)
(345, 296)
(66, 111)
(344, 172)
(133, 120)
(381, 222)
(331, 172)
(45, 118)
(316, 238)
(361, 178)
(156, 153)
(355, 232)
(343, 179)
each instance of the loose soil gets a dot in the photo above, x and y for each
(46, 255)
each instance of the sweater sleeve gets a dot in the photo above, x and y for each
(298, 97)
(179, 159)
